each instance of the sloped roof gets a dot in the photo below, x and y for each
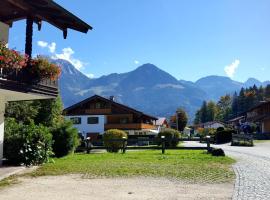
(112, 102)
(41, 10)
(160, 121)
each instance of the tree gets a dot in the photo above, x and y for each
(49, 111)
(211, 111)
(235, 109)
(224, 107)
(267, 92)
(197, 119)
(24, 112)
(182, 119)
(204, 112)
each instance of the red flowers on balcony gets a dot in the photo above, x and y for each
(10, 59)
(38, 68)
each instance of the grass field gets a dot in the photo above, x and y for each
(260, 141)
(186, 165)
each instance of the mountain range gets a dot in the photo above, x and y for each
(147, 88)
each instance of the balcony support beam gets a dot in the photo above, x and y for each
(29, 36)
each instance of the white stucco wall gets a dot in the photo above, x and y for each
(84, 127)
(4, 30)
(2, 110)
(215, 125)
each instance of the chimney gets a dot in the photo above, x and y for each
(112, 98)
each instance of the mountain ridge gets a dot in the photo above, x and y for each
(147, 88)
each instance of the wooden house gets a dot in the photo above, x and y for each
(95, 115)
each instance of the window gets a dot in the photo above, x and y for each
(98, 105)
(76, 120)
(92, 120)
(124, 121)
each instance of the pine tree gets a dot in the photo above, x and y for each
(235, 109)
(267, 92)
(204, 112)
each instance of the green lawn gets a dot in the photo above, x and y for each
(261, 141)
(187, 165)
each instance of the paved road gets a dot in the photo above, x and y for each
(252, 170)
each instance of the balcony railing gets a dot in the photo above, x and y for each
(23, 81)
(132, 126)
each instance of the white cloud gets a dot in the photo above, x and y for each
(90, 75)
(51, 47)
(67, 54)
(231, 69)
(42, 44)
(136, 62)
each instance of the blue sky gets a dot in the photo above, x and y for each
(187, 38)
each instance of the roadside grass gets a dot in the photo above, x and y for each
(260, 141)
(185, 165)
(9, 181)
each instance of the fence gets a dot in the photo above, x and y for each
(159, 144)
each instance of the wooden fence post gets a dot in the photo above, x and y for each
(124, 144)
(208, 143)
(163, 144)
(88, 149)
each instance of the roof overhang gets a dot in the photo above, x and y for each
(41, 10)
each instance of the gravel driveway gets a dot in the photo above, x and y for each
(74, 187)
(252, 170)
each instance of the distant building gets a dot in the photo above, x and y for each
(213, 124)
(97, 114)
(260, 114)
(161, 123)
(237, 122)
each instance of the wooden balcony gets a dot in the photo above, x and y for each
(23, 82)
(133, 126)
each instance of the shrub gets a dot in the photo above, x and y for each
(243, 143)
(203, 132)
(224, 136)
(171, 137)
(217, 152)
(65, 139)
(26, 144)
(113, 134)
(220, 129)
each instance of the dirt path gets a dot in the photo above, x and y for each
(73, 187)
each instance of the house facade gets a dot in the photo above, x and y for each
(213, 124)
(93, 116)
(161, 124)
(21, 85)
(260, 114)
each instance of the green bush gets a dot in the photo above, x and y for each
(243, 143)
(217, 152)
(26, 144)
(113, 146)
(65, 139)
(224, 136)
(171, 137)
(220, 129)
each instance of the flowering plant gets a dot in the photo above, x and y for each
(12, 61)
(43, 69)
